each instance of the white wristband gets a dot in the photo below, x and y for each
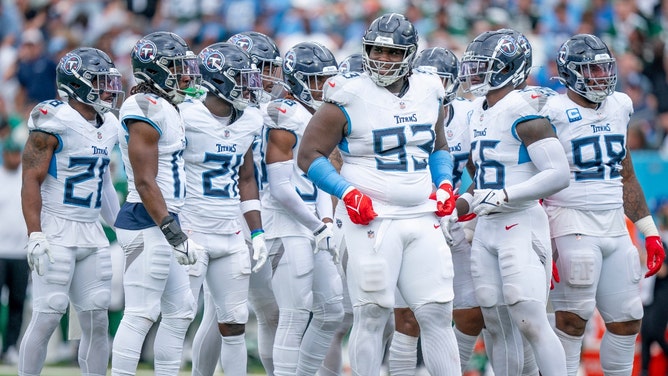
(250, 205)
(647, 227)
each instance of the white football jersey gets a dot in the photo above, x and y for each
(500, 157)
(595, 145)
(165, 118)
(72, 188)
(458, 136)
(213, 156)
(292, 116)
(386, 151)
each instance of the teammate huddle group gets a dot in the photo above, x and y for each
(211, 141)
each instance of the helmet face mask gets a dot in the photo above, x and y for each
(444, 64)
(89, 76)
(266, 56)
(492, 61)
(163, 60)
(391, 34)
(306, 67)
(229, 74)
(586, 66)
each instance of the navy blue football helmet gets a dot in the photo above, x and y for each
(442, 62)
(395, 31)
(228, 73)
(265, 55)
(526, 47)
(86, 74)
(491, 61)
(162, 59)
(306, 67)
(352, 63)
(587, 67)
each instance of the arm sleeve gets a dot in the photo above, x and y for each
(549, 157)
(278, 175)
(323, 204)
(324, 175)
(110, 205)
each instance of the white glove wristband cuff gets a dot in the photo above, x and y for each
(250, 205)
(647, 227)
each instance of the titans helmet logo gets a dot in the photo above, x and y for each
(507, 45)
(145, 50)
(70, 63)
(212, 60)
(290, 61)
(242, 41)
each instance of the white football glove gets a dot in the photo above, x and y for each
(446, 226)
(186, 252)
(260, 252)
(486, 201)
(38, 246)
(324, 240)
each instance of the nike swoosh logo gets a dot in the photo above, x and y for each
(152, 100)
(283, 110)
(534, 96)
(43, 110)
(238, 232)
(436, 226)
(511, 226)
(332, 84)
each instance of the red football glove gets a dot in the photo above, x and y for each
(359, 206)
(555, 275)
(445, 200)
(655, 254)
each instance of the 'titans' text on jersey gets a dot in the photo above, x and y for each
(386, 151)
(73, 186)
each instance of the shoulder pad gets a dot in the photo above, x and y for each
(44, 116)
(338, 88)
(142, 105)
(282, 114)
(534, 97)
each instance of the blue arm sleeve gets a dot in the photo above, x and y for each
(322, 173)
(440, 165)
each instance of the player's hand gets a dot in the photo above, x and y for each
(555, 275)
(185, 249)
(655, 254)
(445, 200)
(260, 252)
(359, 207)
(324, 240)
(38, 246)
(446, 226)
(487, 200)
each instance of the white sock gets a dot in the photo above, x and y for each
(530, 366)
(465, 343)
(234, 356)
(291, 327)
(168, 345)
(206, 343)
(617, 354)
(366, 339)
(572, 347)
(128, 343)
(403, 354)
(439, 345)
(94, 345)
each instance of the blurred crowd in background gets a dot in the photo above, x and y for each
(34, 34)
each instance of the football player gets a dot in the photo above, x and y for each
(66, 187)
(388, 126)
(517, 161)
(597, 261)
(298, 217)
(152, 141)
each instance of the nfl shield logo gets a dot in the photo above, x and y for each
(226, 133)
(339, 223)
(371, 234)
(402, 105)
(99, 135)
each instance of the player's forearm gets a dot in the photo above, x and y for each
(282, 190)
(635, 206)
(152, 199)
(31, 203)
